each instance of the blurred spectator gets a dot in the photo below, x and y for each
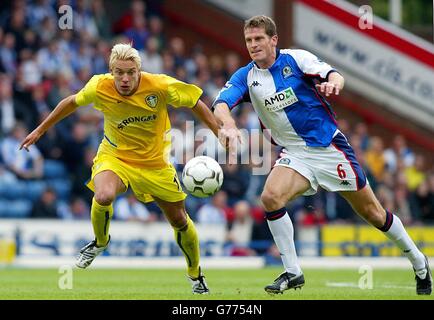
(50, 145)
(82, 174)
(415, 174)
(151, 59)
(385, 196)
(100, 19)
(402, 205)
(361, 130)
(46, 206)
(29, 71)
(6, 176)
(138, 34)
(76, 209)
(236, 182)
(75, 146)
(156, 31)
(40, 105)
(101, 57)
(7, 110)
(399, 150)
(31, 40)
(261, 238)
(374, 158)
(13, 109)
(26, 165)
(239, 231)
(38, 11)
(215, 211)
(83, 76)
(168, 63)
(47, 31)
(84, 22)
(344, 212)
(60, 89)
(232, 64)
(51, 60)
(82, 60)
(128, 208)
(423, 206)
(8, 55)
(177, 50)
(16, 26)
(137, 7)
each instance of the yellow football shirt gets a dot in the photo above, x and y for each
(137, 127)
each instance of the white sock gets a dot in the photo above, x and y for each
(283, 233)
(396, 232)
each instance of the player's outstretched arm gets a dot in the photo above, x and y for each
(62, 110)
(229, 135)
(201, 111)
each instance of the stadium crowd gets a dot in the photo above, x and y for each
(40, 64)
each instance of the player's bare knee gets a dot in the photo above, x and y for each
(272, 200)
(104, 198)
(177, 220)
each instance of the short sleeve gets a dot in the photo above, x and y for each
(310, 65)
(181, 94)
(235, 90)
(87, 95)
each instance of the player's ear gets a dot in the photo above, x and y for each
(275, 38)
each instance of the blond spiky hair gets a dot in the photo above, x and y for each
(124, 51)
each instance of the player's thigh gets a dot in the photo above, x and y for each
(174, 211)
(284, 184)
(366, 204)
(163, 184)
(108, 184)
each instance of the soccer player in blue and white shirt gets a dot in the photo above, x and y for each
(280, 85)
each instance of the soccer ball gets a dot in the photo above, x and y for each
(202, 176)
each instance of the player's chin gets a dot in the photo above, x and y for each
(257, 57)
(254, 55)
(125, 92)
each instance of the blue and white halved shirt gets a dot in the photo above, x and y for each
(285, 98)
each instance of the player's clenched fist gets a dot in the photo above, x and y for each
(229, 137)
(328, 88)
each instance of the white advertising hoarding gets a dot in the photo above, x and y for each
(372, 64)
(65, 238)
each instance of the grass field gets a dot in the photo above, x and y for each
(234, 284)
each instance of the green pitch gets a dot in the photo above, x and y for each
(233, 284)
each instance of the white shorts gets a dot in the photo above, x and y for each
(334, 168)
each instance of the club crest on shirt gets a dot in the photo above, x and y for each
(285, 161)
(151, 100)
(286, 71)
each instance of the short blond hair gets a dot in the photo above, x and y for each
(124, 51)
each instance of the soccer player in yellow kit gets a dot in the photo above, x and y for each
(135, 149)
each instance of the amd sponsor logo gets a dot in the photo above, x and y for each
(280, 100)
